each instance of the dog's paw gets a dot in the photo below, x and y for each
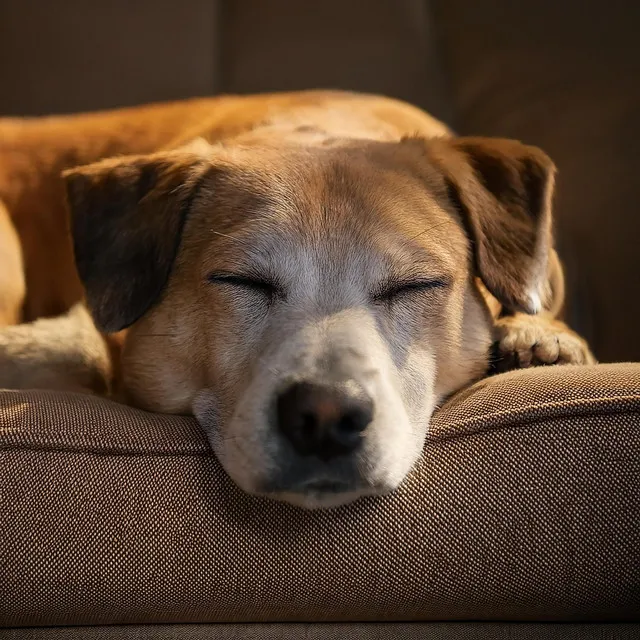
(524, 341)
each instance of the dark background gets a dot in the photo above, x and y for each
(562, 74)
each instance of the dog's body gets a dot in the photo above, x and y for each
(309, 273)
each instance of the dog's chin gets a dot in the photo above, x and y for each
(325, 494)
(316, 499)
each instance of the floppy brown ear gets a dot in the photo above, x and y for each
(503, 190)
(127, 216)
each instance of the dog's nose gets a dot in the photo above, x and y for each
(324, 420)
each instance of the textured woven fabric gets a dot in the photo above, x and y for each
(328, 631)
(561, 74)
(524, 506)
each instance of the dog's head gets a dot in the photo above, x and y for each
(311, 306)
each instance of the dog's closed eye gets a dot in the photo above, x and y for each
(251, 283)
(394, 290)
(389, 292)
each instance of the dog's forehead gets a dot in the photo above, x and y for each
(355, 183)
(345, 205)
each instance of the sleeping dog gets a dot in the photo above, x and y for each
(309, 274)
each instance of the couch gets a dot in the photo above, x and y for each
(521, 520)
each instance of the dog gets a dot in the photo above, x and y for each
(309, 274)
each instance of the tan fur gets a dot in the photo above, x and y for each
(331, 196)
(65, 353)
(34, 152)
(12, 282)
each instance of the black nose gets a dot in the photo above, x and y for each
(324, 420)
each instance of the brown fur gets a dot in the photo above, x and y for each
(35, 152)
(334, 199)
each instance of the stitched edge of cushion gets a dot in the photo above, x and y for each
(524, 422)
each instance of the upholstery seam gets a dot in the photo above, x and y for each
(434, 439)
(558, 404)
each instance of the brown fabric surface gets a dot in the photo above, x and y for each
(328, 631)
(563, 75)
(378, 46)
(524, 507)
(73, 55)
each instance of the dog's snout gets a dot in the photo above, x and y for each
(326, 420)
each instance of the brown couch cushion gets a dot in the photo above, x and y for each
(337, 631)
(74, 55)
(524, 507)
(379, 46)
(563, 75)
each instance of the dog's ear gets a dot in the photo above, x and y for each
(503, 190)
(126, 217)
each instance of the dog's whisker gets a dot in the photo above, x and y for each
(431, 228)
(226, 235)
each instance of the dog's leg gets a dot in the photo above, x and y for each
(522, 340)
(12, 280)
(65, 353)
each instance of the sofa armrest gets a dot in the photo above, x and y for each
(524, 506)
